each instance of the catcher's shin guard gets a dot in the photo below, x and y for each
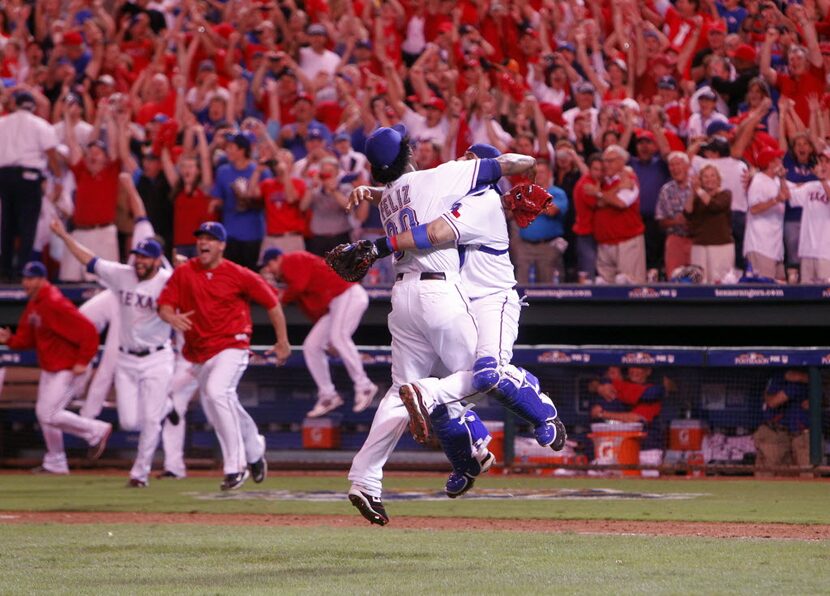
(485, 374)
(464, 441)
(518, 391)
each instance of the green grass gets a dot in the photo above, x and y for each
(722, 500)
(93, 559)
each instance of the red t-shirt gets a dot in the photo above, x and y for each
(59, 333)
(167, 106)
(612, 225)
(189, 211)
(282, 217)
(96, 195)
(800, 88)
(311, 283)
(141, 52)
(220, 300)
(584, 205)
(632, 394)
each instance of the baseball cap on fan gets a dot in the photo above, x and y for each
(147, 248)
(384, 145)
(212, 228)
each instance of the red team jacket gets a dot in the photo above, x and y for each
(219, 298)
(311, 283)
(59, 333)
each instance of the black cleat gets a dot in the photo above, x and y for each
(561, 435)
(234, 481)
(173, 417)
(259, 470)
(136, 483)
(370, 507)
(168, 474)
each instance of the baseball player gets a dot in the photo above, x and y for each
(336, 307)
(207, 299)
(433, 330)
(65, 342)
(145, 359)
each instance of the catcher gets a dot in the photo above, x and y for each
(477, 223)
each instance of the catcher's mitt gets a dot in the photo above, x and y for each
(352, 261)
(526, 201)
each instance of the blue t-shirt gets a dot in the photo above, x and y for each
(798, 173)
(545, 227)
(652, 175)
(790, 414)
(734, 18)
(296, 144)
(245, 226)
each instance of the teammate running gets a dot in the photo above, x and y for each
(207, 299)
(145, 360)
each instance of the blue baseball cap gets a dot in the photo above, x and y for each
(147, 248)
(718, 126)
(24, 100)
(34, 269)
(212, 228)
(383, 145)
(269, 255)
(483, 151)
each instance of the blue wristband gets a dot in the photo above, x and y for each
(90, 267)
(419, 234)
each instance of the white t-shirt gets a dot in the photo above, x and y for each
(416, 124)
(698, 124)
(481, 228)
(312, 63)
(478, 132)
(764, 231)
(732, 172)
(420, 197)
(83, 132)
(25, 140)
(141, 326)
(814, 238)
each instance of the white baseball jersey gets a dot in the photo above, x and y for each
(815, 222)
(420, 197)
(141, 326)
(483, 239)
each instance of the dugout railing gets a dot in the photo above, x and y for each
(712, 396)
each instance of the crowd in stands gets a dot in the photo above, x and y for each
(671, 134)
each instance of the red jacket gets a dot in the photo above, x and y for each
(310, 282)
(60, 334)
(220, 300)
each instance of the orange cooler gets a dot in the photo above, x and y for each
(686, 435)
(321, 433)
(617, 443)
(496, 446)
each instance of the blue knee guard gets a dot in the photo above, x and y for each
(485, 374)
(464, 440)
(518, 391)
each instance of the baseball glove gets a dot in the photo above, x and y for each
(352, 261)
(525, 202)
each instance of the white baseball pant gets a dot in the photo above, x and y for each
(182, 389)
(102, 310)
(238, 436)
(54, 392)
(497, 317)
(336, 329)
(144, 381)
(433, 331)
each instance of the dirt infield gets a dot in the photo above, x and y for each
(702, 529)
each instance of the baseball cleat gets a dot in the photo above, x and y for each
(136, 483)
(173, 417)
(363, 398)
(234, 481)
(370, 507)
(45, 470)
(259, 470)
(97, 449)
(168, 474)
(458, 484)
(551, 434)
(325, 405)
(418, 415)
